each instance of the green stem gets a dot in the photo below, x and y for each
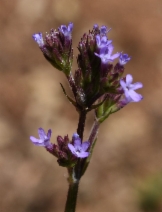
(92, 139)
(94, 132)
(72, 196)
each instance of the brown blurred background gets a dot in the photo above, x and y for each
(125, 174)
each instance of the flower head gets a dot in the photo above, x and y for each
(57, 47)
(129, 89)
(79, 149)
(39, 39)
(44, 140)
(66, 31)
(123, 59)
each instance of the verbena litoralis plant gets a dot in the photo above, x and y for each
(97, 85)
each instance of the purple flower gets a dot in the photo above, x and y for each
(66, 31)
(39, 39)
(79, 149)
(95, 26)
(123, 59)
(104, 30)
(129, 89)
(44, 140)
(105, 54)
(102, 41)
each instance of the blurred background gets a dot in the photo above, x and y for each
(125, 173)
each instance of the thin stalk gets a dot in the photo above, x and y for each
(81, 123)
(72, 84)
(94, 132)
(75, 174)
(72, 197)
(92, 139)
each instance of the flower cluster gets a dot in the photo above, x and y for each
(57, 47)
(96, 75)
(98, 83)
(67, 152)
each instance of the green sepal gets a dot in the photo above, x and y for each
(66, 163)
(97, 105)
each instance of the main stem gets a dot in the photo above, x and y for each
(72, 196)
(75, 174)
(81, 123)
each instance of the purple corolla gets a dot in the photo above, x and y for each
(129, 89)
(79, 149)
(123, 59)
(102, 41)
(106, 54)
(66, 30)
(43, 140)
(39, 39)
(104, 30)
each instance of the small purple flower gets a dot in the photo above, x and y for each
(105, 54)
(102, 41)
(44, 139)
(66, 31)
(79, 149)
(39, 39)
(95, 26)
(104, 30)
(75, 136)
(123, 59)
(129, 89)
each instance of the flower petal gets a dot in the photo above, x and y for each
(49, 133)
(135, 96)
(83, 154)
(42, 133)
(136, 85)
(110, 49)
(85, 145)
(77, 143)
(36, 141)
(129, 79)
(39, 39)
(123, 84)
(114, 56)
(72, 149)
(70, 27)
